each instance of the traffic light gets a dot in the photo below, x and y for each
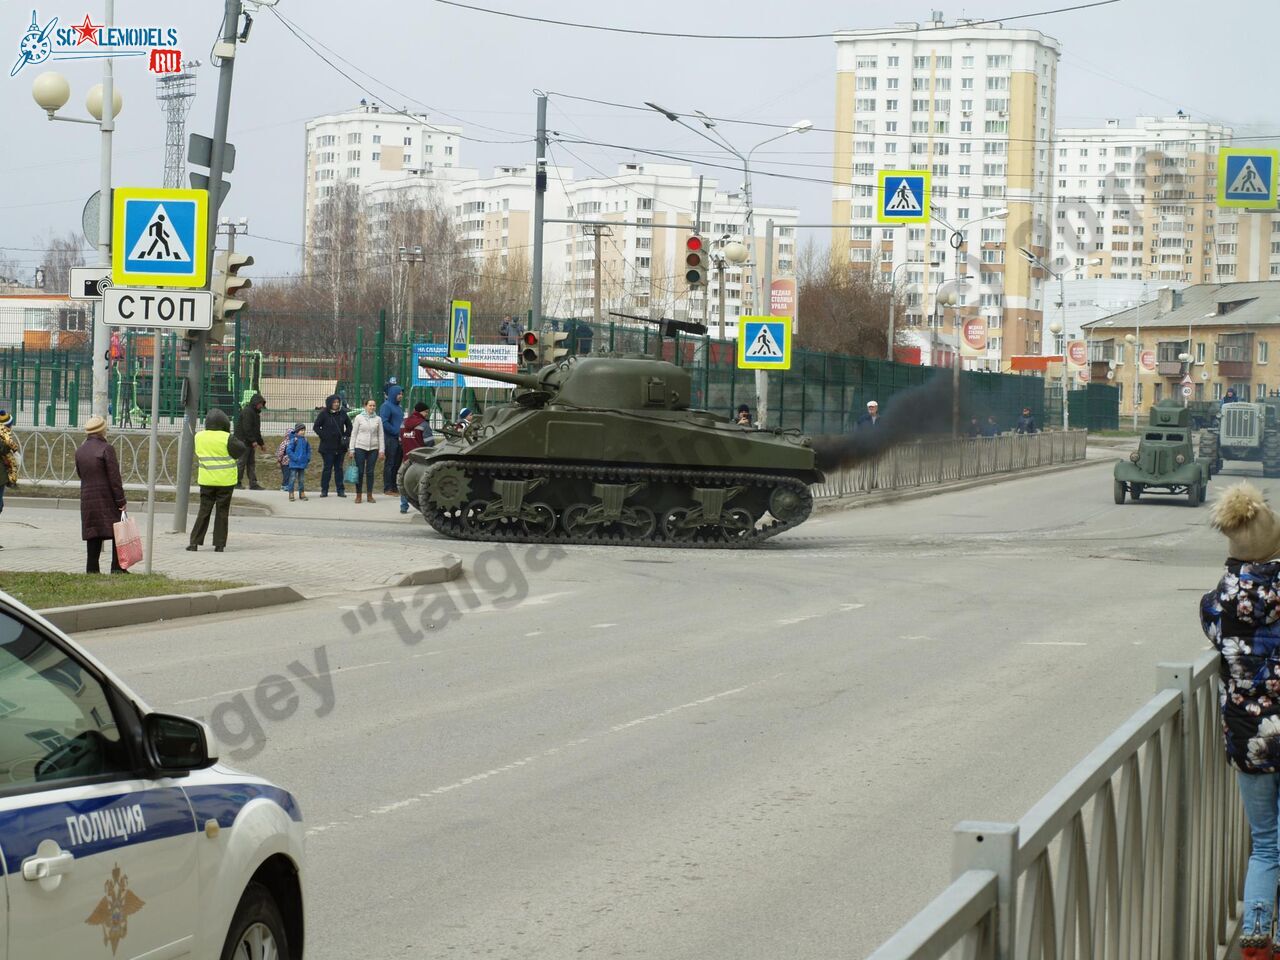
(227, 286)
(551, 349)
(697, 261)
(529, 350)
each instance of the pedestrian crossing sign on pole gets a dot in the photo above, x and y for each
(764, 343)
(904, 196)
(159, 237)
(1247, 177)
(459, 329)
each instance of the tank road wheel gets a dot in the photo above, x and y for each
(736, 524)
(1193, 494)
(1209, 450)
(1135, 491)
(641, 524)
(786, 504)
(475, 510)
(575, 523)
(1118, 488)
(537, 519)
(676, 526)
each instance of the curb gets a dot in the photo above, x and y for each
(857, 500)
(127, 613)
(449, 568)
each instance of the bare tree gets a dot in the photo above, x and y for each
(842, 309)
(60, 255)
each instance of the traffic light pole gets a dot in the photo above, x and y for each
(195, 359)
(539, 214)
(762, 376)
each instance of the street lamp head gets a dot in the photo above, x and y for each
(1056, 327)
(1027, 255)
(673, 117)
(1184, 357)
(802, 126)
(1095, 262)
(736, 251)
(51, 91)
(93, 102)
(1000, 215)
(1130, 338)
(706, 121)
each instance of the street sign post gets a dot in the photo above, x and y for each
(1247, 177)
(903, 196)
(764, 343)
(159, 237)
(161, 309)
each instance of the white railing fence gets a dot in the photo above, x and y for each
(1137, 854)
(928, 462)
(50, 457)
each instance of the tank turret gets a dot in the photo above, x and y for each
(608, 449)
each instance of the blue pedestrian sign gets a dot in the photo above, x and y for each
(459, 329)
(159, 237)
(764, 343)
(904, 196)
(1247, 178)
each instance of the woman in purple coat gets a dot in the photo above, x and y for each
(101, 494)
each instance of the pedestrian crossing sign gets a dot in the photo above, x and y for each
(904, 196)
(159, 237)
(459, 329)
(1247, 177)
(764, 343)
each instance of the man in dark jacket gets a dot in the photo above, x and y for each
(991, 428)
(871, 418)
(249, 432)
(1026, 422)
(101, 494)
(392, 420)
(333, 427)
(414, 433)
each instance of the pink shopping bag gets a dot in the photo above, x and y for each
(128, 541)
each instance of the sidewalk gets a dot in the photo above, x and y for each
(318, 559)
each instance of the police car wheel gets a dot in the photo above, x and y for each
(257, 930)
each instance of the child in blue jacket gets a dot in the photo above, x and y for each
(299, 453)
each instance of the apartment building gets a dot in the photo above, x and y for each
(1229, 330)
(368, 146)
(973, 104)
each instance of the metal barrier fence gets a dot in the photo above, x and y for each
(1139, 852)
(938, 461)
(50, 457)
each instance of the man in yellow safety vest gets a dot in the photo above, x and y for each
(216, 455)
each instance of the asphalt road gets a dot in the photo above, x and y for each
(691, 754)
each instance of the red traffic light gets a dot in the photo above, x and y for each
(693, 243)
(530, 339)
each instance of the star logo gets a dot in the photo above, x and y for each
(88, 32)
(113, 910)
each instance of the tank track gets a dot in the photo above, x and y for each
(457, 525)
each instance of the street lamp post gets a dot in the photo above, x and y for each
(893, 300)
(1056, 327)
(410, 255)
(748, 230)
(51, 92)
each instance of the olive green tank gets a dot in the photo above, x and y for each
(607, 450)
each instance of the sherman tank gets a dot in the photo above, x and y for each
(606, 449)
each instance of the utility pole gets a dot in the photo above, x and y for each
(107, 124)
(762, 376)
(720, 264)
(226, 50)
(597, 231)
(539, 198)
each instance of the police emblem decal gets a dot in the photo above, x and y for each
(113, 910)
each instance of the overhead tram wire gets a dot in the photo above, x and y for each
(1046, 141)
(392, 110)
(737, 36)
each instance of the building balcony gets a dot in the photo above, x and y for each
(1169, 368)
(1235, 369)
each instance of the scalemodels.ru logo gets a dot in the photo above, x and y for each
(89, 40)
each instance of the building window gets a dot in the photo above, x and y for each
(1263, 349)
(891, 61)
(998, 62)
(353, 138)
(867, 104)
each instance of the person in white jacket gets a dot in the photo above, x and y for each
(366, 446)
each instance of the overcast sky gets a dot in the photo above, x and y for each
(1134, 57)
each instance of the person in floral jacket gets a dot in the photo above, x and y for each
(8, 456)
(1241, 618)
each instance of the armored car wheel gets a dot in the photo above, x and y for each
(1204, 492)
(1118, 489)
(1135, 491)
(257, 930)
(1193, 494)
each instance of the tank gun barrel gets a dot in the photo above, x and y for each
(529, 380)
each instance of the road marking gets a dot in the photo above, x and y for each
(534, 633)
(357, 666)
(602, 626)
(1053, 643)
(846, 607)
(525, 761)
(791, 621)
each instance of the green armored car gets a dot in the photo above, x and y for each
(1164, 461)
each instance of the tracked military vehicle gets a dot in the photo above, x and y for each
(607, 450)
(1164, 461)
(1244, 431)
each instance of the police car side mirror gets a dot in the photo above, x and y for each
(176, 745)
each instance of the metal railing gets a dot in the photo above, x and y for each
(50, 457)
(929, 462)
(1139, 852)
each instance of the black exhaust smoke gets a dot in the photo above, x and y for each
(919, 412)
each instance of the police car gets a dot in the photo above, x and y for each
(121, 836)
